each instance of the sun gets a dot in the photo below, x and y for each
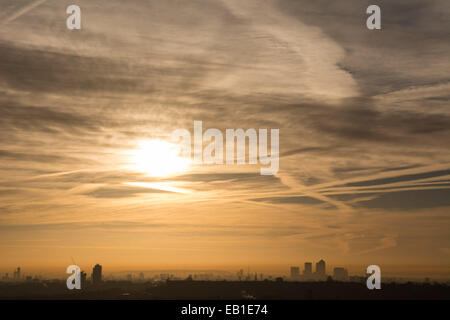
(158, 158)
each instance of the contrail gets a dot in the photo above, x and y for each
(22, 11)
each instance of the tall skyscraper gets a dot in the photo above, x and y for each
(240, 275)
(17, 274)
(340, 274)
(308, 269)
(320, 268)
(97, 274)
(295, 272)
(83, 279)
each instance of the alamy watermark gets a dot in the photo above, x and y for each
(208, 146)
(74, 280)
(374, 20)
(374, 280)
(73, 22)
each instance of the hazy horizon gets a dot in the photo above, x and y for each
(418, 272)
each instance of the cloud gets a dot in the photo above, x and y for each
(120, 192)
(389, 60)
(237, 177)
(290, 200)
(45, 71)
(39, 157)
(409, 200)
(400, 178)
(23, 11)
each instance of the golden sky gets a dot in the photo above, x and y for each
(364, 123)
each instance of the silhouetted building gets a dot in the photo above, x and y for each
(320, 268)
(240, 275)
(17, 274)
(166, 276)
(83, 277)
(340, 274)
(97, 274)
(308, 269)
(295, 272)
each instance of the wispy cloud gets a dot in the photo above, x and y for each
(23, 10)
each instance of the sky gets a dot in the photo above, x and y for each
(364, 122)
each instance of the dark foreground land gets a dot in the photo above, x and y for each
(269, 290)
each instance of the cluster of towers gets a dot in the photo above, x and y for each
(319, 274)
(96, 276)
(340, 274)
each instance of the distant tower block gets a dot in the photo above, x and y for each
(320, 268)
(17, 274)
(308, 269)
(340, 274)
(97, 274)
(295, 273)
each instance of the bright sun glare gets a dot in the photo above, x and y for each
(159, 158)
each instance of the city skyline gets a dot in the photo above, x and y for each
(295, 273)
